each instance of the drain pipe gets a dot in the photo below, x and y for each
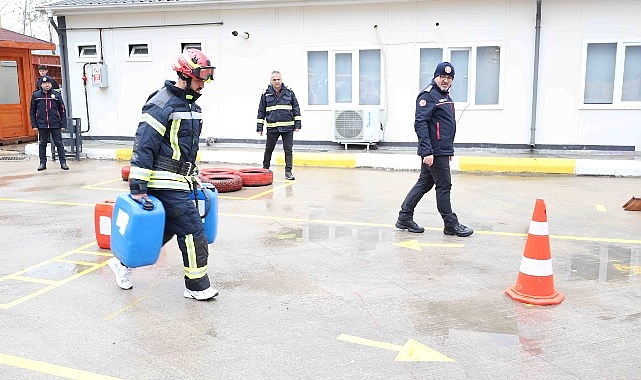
(535, 80)
(62, 39)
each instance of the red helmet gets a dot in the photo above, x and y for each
(194, 63)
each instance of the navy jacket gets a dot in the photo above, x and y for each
(170, 127)
(434, 122)
(280, 112)
(47, 110)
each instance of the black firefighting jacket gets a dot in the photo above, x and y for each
(47, 110)
(434, 122)
(281, 112)
(169, 127)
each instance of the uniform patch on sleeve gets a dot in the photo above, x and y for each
(422, 103)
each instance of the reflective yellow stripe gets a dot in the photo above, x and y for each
(280, 124)
(193, 271)
(139, 173)
(155, 124)
(279, 107)
(298, 118)
(173, 139)
(167, 180)
(196, 273)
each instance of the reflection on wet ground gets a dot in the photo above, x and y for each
(606, 263)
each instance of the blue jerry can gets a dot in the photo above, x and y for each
(208, 210)
(136, 233)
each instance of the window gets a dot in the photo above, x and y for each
(9, 91)
(138, 50)
(344, 77)
(612, 73)
(483, 61)
(317, 69)
(190, 45)
(88, 51)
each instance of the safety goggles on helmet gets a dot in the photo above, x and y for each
(205, 73)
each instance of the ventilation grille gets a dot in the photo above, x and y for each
(348, 125)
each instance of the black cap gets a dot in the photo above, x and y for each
(444, 68)
(45, 78)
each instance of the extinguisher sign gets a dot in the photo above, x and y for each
(96, 74)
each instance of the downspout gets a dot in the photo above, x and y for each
(62, 39)
(535, 80)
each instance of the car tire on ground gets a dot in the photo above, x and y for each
(218, 171)
(256, 176)
(224, 183)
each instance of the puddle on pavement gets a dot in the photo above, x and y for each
(56, 271)
(606, 264)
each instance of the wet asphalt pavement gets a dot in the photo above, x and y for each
(316, 283)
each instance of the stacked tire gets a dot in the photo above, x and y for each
(224, 180)
(227, 180)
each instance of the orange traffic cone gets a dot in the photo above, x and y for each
(535, 284)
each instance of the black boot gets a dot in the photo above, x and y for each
(63, 166)
(42, 167)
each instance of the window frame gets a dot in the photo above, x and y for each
(472, 48)
(138, 57)
(355, 80)
(187, 44)
(80, 46)
(617, 103)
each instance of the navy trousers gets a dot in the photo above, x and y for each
(436, 175)
(183, 220)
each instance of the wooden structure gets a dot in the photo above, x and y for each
(17, 66)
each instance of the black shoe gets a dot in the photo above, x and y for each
(409, 225)
(458, 230)
(42, 167)
(63, 166)
(289, 176)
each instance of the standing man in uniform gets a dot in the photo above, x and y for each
(49, 116)
(278, 110)
(435, 126)
(44, 70)
(163, 165)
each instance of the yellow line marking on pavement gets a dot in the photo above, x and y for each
(51, 369)
(76, 262)
(600, 208)
(632, 270)
(44, 202)
(382, 225)
(412, 351)
(95, 185)
(31, 279)
(20, 276)
(133, 303)
(415, 245)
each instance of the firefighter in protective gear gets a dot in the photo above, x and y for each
(163, 165)
(278, 110)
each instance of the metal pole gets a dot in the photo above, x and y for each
(535, 80)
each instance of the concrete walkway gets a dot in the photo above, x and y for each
(620, 164)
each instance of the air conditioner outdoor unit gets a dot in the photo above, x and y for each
(357, 126)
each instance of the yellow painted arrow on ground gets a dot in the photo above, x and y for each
(415, 245)
(412, 351)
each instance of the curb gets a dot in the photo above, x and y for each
(399, 161)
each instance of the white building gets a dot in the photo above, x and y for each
(578, 86)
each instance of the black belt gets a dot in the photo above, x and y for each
(174, 166)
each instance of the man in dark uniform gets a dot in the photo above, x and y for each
(163, 165)
(44, 70)
(435, 126)
(279, 111)
(49, 116)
